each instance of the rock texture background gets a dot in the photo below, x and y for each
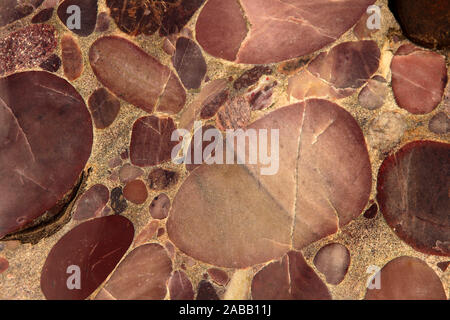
(386, 128)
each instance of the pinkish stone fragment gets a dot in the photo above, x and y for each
(418, 79)
(374, 93)
(159, 208)
(333, 261)
(180, 287)
(147, 234)
(4, 265)
(129, 172)
(92, 202)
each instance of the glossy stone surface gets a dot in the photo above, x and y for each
(40, 163)
(100, 244)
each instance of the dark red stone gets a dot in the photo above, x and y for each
(95, 246)
(52, 63)
(189, 63)
(46, 140)
(206, 291)
(371, 212)
(43, 15)
(250, 77)
(88, 15)
(4, 265)
(413, 195)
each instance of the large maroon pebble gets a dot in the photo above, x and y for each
(84, 257)
(46, 138)
(413, 188)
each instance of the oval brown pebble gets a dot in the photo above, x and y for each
(159, 208)
(407, 278)
(52, 63)
(71, 57)
(333, 261)
(84, 257)
(135, 191)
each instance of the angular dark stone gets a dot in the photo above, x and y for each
(93, 248)
(443, 265)
(52, 64)
(189, 63)
(333, 260)
(250, 77)
(118, 202)
(160, 179)
(371, 212)
(426, 23)
(104, 108)
(102, 22)
(206, 291)
(88, 15)
(151, 141)
(43, 15)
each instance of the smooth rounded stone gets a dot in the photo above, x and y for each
(147, 234)
(104, 108)
(180, 287)
(371, 212)
(218, 276)
(159, 208)
(142, 275)
(136, 17)
(151, 141)
(207, 93)
(290, 278)
(440, 123)
(276, 30)
(13, 10)
(135, 191)
(333, 261)
(348, 64)
(234, 114)
(160, 179)
(134, 76)
(27, 47)
(52, 64)
(386, 130)
(418, 79)
(206, 291)
(71, 57)
(43, 16)
(118, 202)
(92, 202)
(221, 217)
(373, 94)
(46, 138)
(189, 63)
(4, 265)
(88, 253)
(102, 22)
(407, 278)
(426, 23)
(87, 16)
(413, 196)
(129, 172)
